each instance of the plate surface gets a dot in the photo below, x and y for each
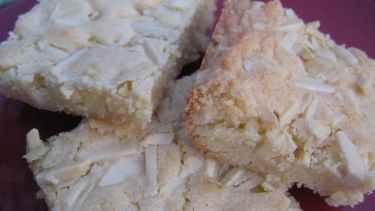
(349, 22)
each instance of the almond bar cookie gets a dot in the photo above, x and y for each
(278, 97)
(155, 170)
(102, 59)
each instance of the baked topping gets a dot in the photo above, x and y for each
(314, 85)
(122, 170)
(108, 152)
(76, 192)
(35, 146)
(151, 169)
(231, 176)
(158, 138)
(211, 168)
(355, 172)
(288, 41)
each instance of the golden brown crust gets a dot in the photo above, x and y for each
(232, 12)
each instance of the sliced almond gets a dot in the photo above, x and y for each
(153, 53)
(111, 151)
(122, 170)
(69, 171)
(290, 14)
(83, 196)
(211, 168)
(288, 41)
(251, 183)
(320, 131)
(307, 54)
(155, 31)
(232, 176)
(327, 54)
(66, 91)
(44, 178)
(311, 110)
(33, 140)
(290, 113)
(151, 170)
(342, 52)
(355, 169)
(55, 51)
(292, 27)
(268, 186)
(75, 192)
(314, 85)
(158, 139)
(35, 146)
(62, 65)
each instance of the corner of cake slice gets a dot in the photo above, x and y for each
(157, 169)
(277, 96)
(109, 60)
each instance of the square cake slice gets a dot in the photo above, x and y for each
(109, 60)
(157, 169)
(278, 97)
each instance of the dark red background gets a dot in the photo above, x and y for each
(348, 21)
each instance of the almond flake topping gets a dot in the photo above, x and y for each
(110, 151)
(44, 178)
(67, 61)
(290, 113)
(290, 14)
(158, 139)
(355, 174)
(83, 196)
(211, 168)
(327, 54)
(122, 170)
(311, 110)
(346, 55)
(288, 41)
(69, 171)
(151, 169)
(35, 146)
(314, 85)
(251, 183)
(152, 52)
(293, 27)
(232, 176)
(155, 31)
(75, 192)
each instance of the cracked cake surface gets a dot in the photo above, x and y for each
(276, 96)
(109, 60)
(157, 169)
